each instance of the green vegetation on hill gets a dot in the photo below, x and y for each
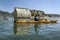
(3, 13)
(53, 15)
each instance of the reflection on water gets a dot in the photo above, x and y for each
(15, 28)
(35, 27)
(24, 29)
(28, 29)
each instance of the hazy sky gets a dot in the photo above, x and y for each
(48, 6)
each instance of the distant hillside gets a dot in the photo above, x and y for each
(3, 13)
(53, 15)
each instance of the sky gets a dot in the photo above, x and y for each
(48, 6)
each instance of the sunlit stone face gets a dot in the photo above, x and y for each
(23, 13)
